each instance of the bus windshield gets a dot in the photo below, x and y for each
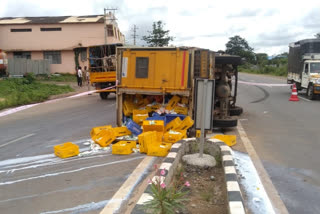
(314, 67)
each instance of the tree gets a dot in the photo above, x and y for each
(239, 46)
(317, 35)
(158, 36)
(262, 58)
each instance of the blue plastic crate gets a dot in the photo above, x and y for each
(170, 117)
(134, 128)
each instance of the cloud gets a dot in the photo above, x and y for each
(245, 13)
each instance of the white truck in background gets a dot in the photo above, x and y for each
(304, 66)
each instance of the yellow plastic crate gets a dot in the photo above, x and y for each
(230, 140)
(123, 147)
(185, 124)
(104, 137)
(127, 107)
(96, 130)
(139, 116)
(173, 137)
(121, 131)
(145, 139)
(175, 123)
(153, 125)
(66, 150)
(172, 102)
(181, 110)
(185, 100)
(161, 149)
(155, 107)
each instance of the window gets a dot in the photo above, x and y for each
(110, 30)
(51, 29)
(83, 55)
(22, 55)
(21, 30)
(53, 56)
(306, 68)
(314, 67)
(142, 66)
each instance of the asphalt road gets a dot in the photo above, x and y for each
(286, 136)
(33, 180)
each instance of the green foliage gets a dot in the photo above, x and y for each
(267, 69)
(158, 37)
(29, 78)
(15, 92)
(240, 47)
(166, 200)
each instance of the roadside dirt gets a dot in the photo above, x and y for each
(207, 194)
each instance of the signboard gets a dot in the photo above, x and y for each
(204, 95)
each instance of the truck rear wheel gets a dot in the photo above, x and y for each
(225, 123)
(104, 95)
(310, 93)
(236, 111)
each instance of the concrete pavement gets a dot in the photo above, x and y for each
(286, 137)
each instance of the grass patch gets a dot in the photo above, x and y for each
(57, 77)
(15, 92)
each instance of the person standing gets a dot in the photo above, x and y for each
(79, 76)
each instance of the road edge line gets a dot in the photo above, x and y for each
(125, 190)
(274, 197)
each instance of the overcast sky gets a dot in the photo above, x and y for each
(268, 26)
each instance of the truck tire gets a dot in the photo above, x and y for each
(225, 123)
(310, 93)
(104, 95)
(236, 111)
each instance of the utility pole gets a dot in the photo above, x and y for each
(134, 34)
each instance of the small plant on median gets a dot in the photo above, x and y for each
(166, 200)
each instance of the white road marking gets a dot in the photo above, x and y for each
(304, 99)
(83, 208)
(127, 187)
(272, 193)
(237, 207)
(264, 84)
(20, 138)
(67, 172)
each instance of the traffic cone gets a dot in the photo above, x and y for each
(294, 93)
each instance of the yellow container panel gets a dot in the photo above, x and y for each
(121, 131)
(173, 102)
(96, 130)
(185, 125)
(153, 125)
(104, 137)
(160, 149)
(123, 147)
(175, 123)
(66, 150)
(161, 69)
(181, 110)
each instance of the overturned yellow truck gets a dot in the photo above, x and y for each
(161, 82)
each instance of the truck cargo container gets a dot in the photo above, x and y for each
(304, 66)
(154, 77)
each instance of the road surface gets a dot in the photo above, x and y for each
(33, 180)
(286, 136)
